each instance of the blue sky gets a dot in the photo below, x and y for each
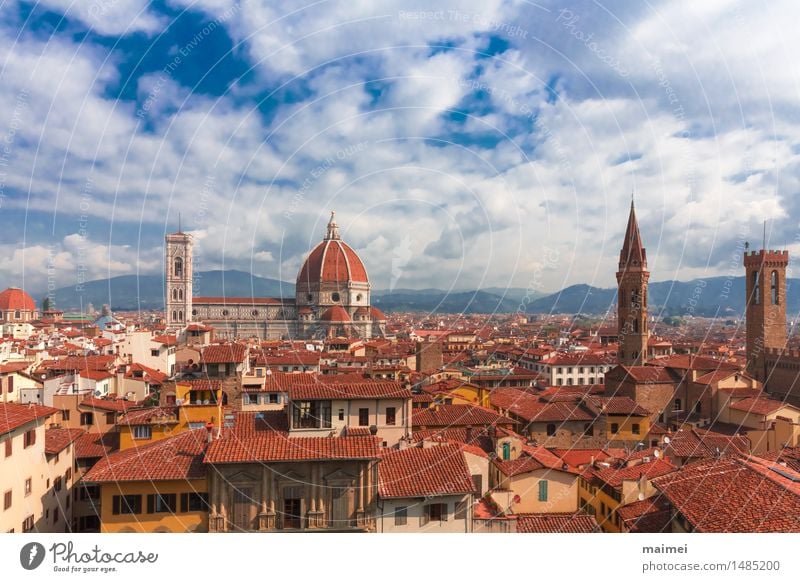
(462, 144)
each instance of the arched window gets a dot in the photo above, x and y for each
(775, 298)
(180, 315)
(756, 288)
(634, 298)
(180, 294)
(175, 316)
(178, 267)
(174, 294)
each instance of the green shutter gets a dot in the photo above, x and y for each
(542, 490)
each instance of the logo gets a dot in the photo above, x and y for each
(31, 555)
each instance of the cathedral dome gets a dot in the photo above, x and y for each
(15, 298)
(332, 261)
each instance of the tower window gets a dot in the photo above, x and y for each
(309, 297)
(636, 325)
(756, 288)
(775, 298)
(174, 294)
(180, 294)
(178, 267)
(335, 297)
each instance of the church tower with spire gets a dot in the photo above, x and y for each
(632, 278)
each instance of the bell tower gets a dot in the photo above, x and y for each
(632, 278)
(765, 288)
(178, 277)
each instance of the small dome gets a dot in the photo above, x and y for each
(361, 312)
(337, 313)
(15, 298)
(377, 314)
(332, 261)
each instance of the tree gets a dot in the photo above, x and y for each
(47, 305)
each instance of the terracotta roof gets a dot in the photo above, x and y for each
(698, 444)
(651, 374)
(733, 495)
(96, 375)
(651, 515)
(376, 314)
(161, 414)
(424, 472)
(201, 383)
(761, 405)
(15, 298)
(716, 376)
(789, 456)
(223, 354)
(617, 405)
(74, 363)
(14, 415)
(348, 390)
(518, 466)
(694, 362)
(615, 476)
(580, 457)
(14, 367)
(95, 445)
(332, 261)
(580, 359)
(57, 439)
(174, 458)
(458, 415)
(166, 340)
(139, 371)
(556, 523)
(279, 447)
(109, 404)
(335, 313)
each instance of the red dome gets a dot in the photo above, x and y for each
(332, 261)
(377, 314)
(15, 298)
(337, 313)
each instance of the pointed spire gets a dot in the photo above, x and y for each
(333, 228)
(633, 254)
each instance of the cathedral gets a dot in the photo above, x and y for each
(332, 297)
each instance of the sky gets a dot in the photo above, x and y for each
(462, 144)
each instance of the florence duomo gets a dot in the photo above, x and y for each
(397, 267)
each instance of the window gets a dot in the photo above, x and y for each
(57, 484)
(775, 297)
(126, 504)
(335, 297)
(311, 414)
(435, 512)
(8, 447)
(401, 515)
(461, 510)
(30, 438)
(635, 428)
(194, 502)
(588, 429)
(614, 428)
(255, 313)
(87, 419)
(477, 483)
(65, 415)
(756, 293)
(162, 503)
(543, 490)
(10, 384)
(142, 431)
(506, 451)
(391, 415)
(28, 486)
(7, 500)
(551, 429)
(272, 398)
(27, 525)
(155, 352)
(363, 416)
(178, 267)
(677, 405)
(341, 414)
(68, 474)
(111, 417)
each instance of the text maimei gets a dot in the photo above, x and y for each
(65, 553)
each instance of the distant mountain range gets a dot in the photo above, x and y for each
(722, 296)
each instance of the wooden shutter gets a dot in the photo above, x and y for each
(151, 504)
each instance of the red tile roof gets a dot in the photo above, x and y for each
(615, 476)
(700, 444)
(649, 374)
(732, 495)
(617, 405)
(279, 447)
(310, 390)
(159, 414)
(94, 445)
(58, 439)
(424, 472)
(223, 354)
(15, 298)
(96, 375)
(650, 515)
(14, 415)
(556, 523)
(448, 415)
(109, 404)
(175, 458)
(332, 261)
(762, 405)
(694, 362)
(580, 457)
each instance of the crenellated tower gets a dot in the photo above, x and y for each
(765, 288)
(632, 278)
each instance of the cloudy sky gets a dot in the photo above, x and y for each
(462, 145)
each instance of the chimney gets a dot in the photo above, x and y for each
(210, 432)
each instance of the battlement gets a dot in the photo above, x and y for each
(774, 257)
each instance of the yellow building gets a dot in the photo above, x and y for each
(158, 487)
(458, 391)
(602, 490)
